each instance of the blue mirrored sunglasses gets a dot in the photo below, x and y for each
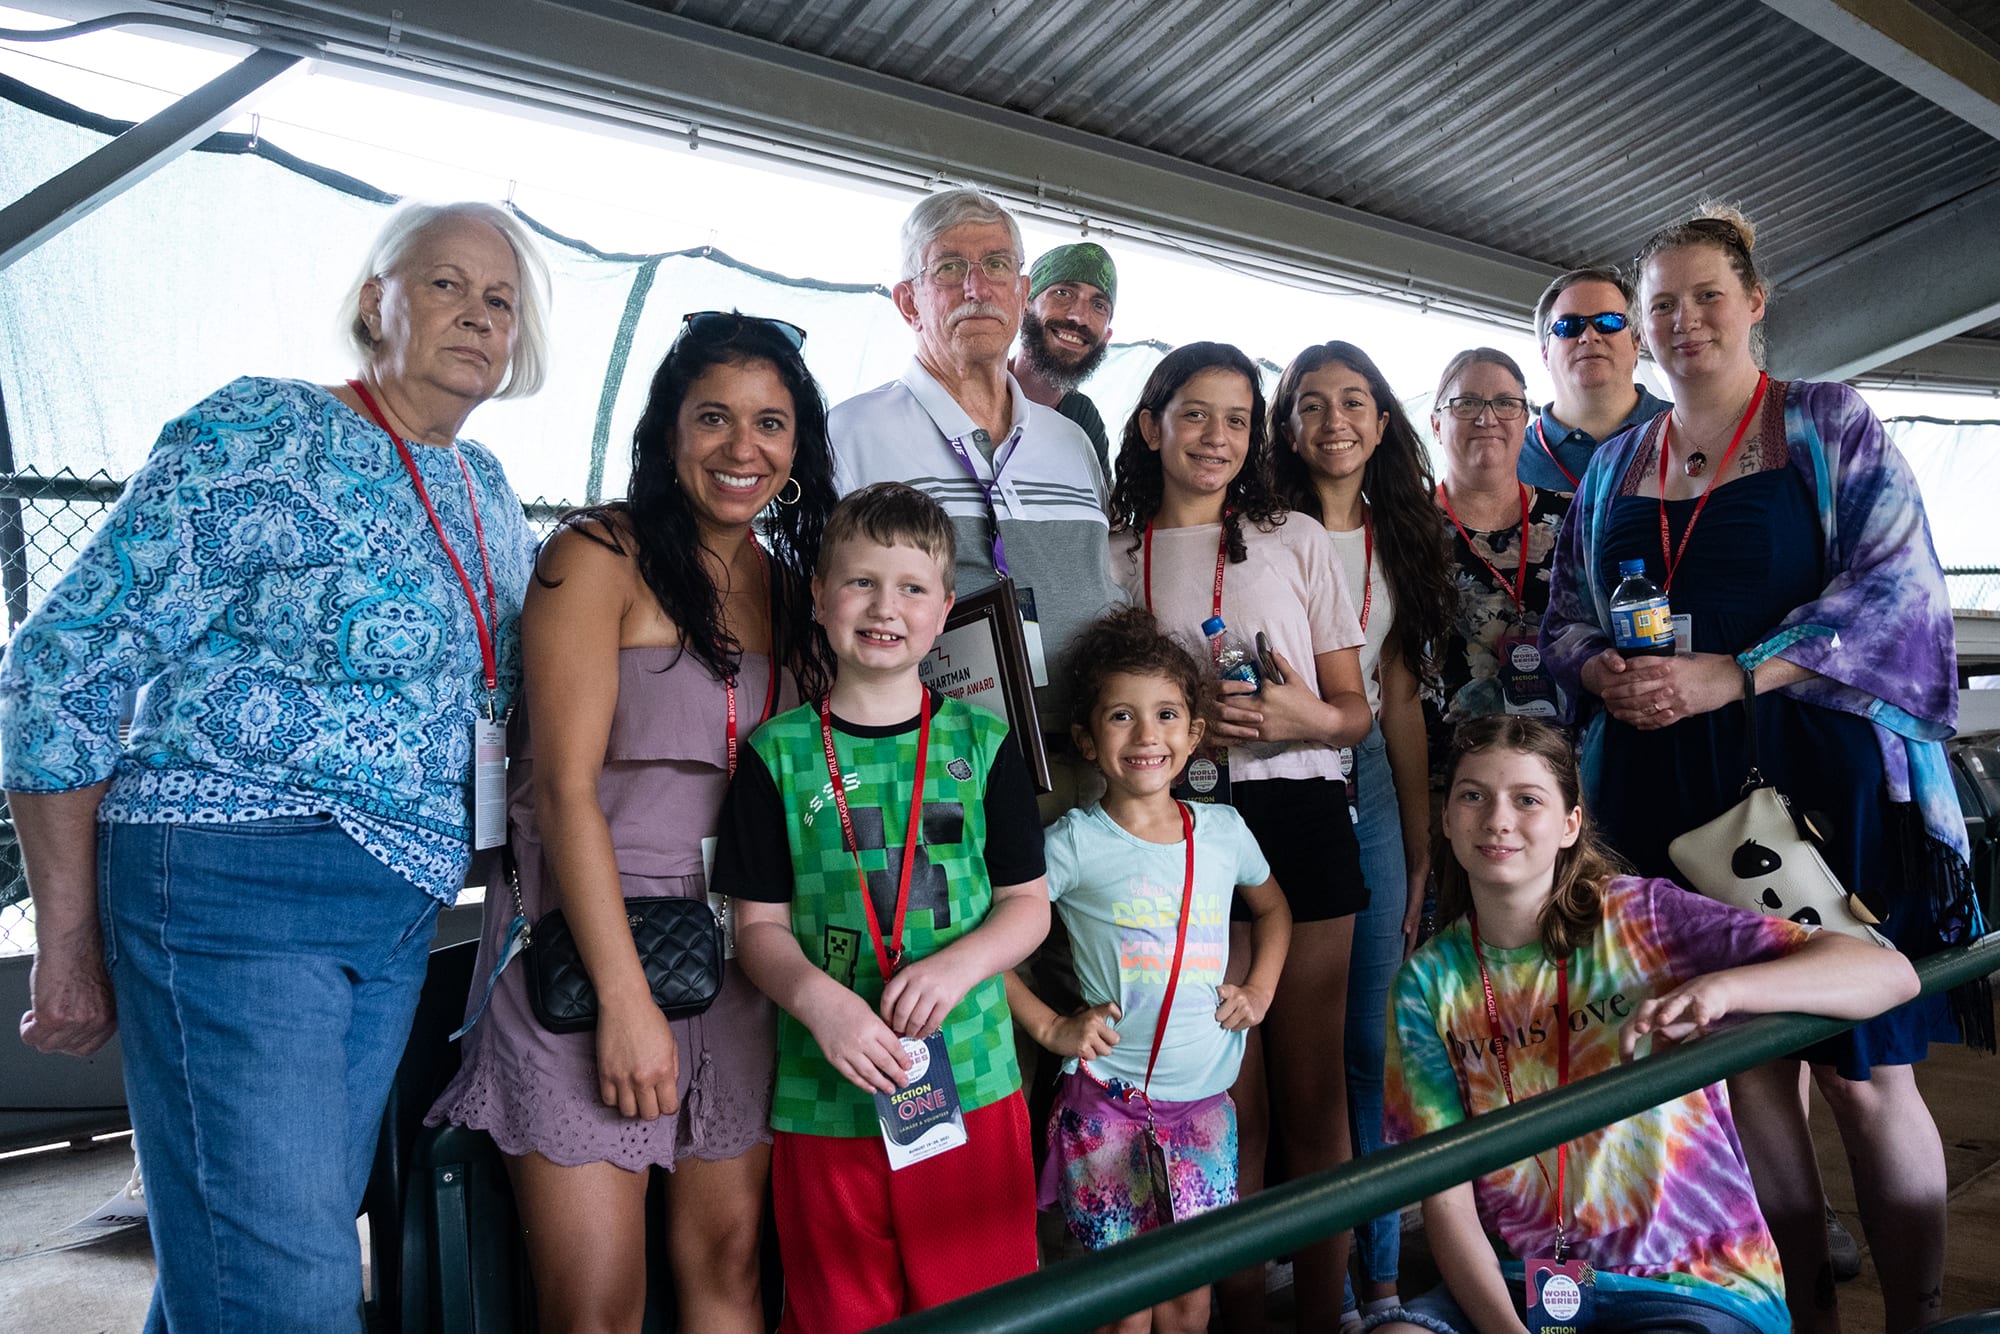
(722, 323)
(1606, 322)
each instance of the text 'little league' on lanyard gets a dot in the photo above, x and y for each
(888, 949)
(1519, 588)
(1174, 973)
(771, 689)
(1671, 559)
(1543, 439)
(487, 798)
(1499, 1049)
(1221, 563)
(1222, 558)
(482, 620)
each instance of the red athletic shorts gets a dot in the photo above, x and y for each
(863, 1245)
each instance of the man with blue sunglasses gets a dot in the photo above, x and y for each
(1589, 343)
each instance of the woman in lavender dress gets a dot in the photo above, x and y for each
(1783, 522)
(659, 632)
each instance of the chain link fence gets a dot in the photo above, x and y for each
(45, 520)
(1974, 587)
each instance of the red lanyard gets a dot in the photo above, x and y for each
(1519, 588)
(1180, 941)
(1368, 565)
(480, 620)
(1221, 562)
(1180, 950)
(771, 690)
(889, 952)
(1672, 561)
(1499, 1047)
(1223, 555)
(1543, 440)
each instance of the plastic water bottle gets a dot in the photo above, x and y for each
(1234, 660)
(1641, 623)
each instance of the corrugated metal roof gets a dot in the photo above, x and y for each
(1534, 127)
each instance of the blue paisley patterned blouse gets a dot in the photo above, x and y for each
(272, 579)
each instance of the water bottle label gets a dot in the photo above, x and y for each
(1645, 626)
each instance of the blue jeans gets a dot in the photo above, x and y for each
(1371, 967)
(266, 974)
(1620, 1309)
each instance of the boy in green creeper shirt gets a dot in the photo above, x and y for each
(880, 915)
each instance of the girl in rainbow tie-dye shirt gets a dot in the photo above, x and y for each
(1580, 965)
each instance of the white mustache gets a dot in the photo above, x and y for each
(975, 310)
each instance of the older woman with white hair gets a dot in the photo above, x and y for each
(318, 588)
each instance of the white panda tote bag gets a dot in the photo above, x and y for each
(1759, 855)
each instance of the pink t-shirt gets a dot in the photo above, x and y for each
(1290, 587)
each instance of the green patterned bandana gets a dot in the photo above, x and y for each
(1080, 262)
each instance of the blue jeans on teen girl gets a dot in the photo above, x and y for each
(266, 974)
(1377, 954)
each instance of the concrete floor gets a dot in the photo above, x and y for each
(51, 1285)
(48, 1283)
(1963, 1091)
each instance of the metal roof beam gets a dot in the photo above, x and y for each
(1916, 285)
(1918, 44)
(1956, 363)
(78, 191)
(602, 55)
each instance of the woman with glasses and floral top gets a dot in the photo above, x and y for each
(659, 631)
(1503, 541)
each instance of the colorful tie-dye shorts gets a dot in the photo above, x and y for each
(1097, 1167)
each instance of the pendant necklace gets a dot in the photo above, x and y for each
(1697, 462)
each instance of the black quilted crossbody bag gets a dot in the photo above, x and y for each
(680, 947)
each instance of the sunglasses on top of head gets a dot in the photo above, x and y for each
(723, 323)
(1606, 322)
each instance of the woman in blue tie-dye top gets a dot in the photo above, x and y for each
(317, 589)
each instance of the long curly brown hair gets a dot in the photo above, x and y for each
(1139, 485)
(1576, 906)
(655, 524)
(1400, 488)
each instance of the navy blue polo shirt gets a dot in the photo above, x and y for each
(1573, 448)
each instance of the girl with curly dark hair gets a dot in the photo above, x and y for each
(1208, 537)
(660, 630)
(1138, 694)
(1345, 452)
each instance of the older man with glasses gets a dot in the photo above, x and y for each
(1590, 345)
(1019, 480)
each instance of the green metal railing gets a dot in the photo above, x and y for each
(1099, 1288)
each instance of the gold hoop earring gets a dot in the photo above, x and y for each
(791, 485)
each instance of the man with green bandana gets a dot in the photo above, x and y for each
(1066, 332)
